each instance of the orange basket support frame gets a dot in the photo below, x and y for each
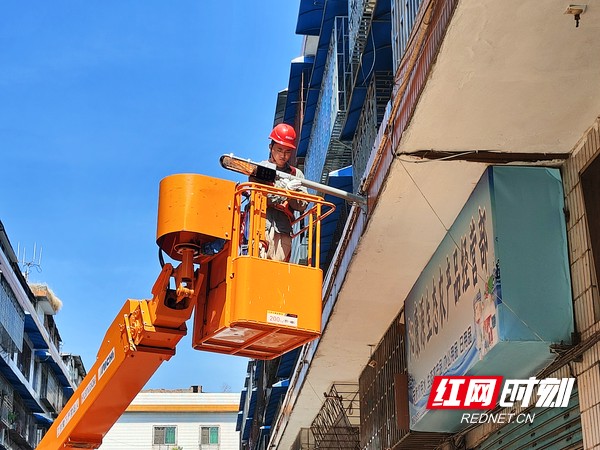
(257, 195)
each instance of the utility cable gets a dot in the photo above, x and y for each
(421, 161)
(312, 388)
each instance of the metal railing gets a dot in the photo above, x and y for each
(360, 13)
(404, 13)
(249, 223)
(333, 427)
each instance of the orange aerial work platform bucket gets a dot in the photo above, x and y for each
(249, 306)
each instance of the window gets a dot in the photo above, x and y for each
(164, 435)
(50, 390)
(590, 182)
(24, 360)
(209, 437)
(12, 320)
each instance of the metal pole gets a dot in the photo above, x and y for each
(270, 174)
(361, 200)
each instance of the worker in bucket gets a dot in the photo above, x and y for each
(280, 210)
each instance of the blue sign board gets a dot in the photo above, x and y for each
(495, 294)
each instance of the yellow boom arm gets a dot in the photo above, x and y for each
(142, 336)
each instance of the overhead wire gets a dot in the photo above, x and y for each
(365, 78)
(313, 389)
(445, 158)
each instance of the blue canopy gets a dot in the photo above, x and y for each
(33, 332)
(278, 390)
(287, 363)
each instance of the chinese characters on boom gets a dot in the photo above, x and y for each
(484, 392)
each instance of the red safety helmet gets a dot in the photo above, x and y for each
(285, 135)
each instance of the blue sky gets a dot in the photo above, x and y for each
(101, 100)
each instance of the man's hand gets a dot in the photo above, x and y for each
(294, 185)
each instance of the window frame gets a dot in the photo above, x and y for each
(210, 444)
(164, 428)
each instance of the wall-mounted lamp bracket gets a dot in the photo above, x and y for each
(576, 11)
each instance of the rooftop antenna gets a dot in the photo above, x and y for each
(27, 265)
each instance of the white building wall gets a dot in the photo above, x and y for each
(188, 412)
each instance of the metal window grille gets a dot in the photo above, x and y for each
(22, 425)
(6, 399)
(373, 111)
(404, 13)
(50, 390)
(12, 319)
(360, 14)
(24, 360)
(378, 391)
(325, 151)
